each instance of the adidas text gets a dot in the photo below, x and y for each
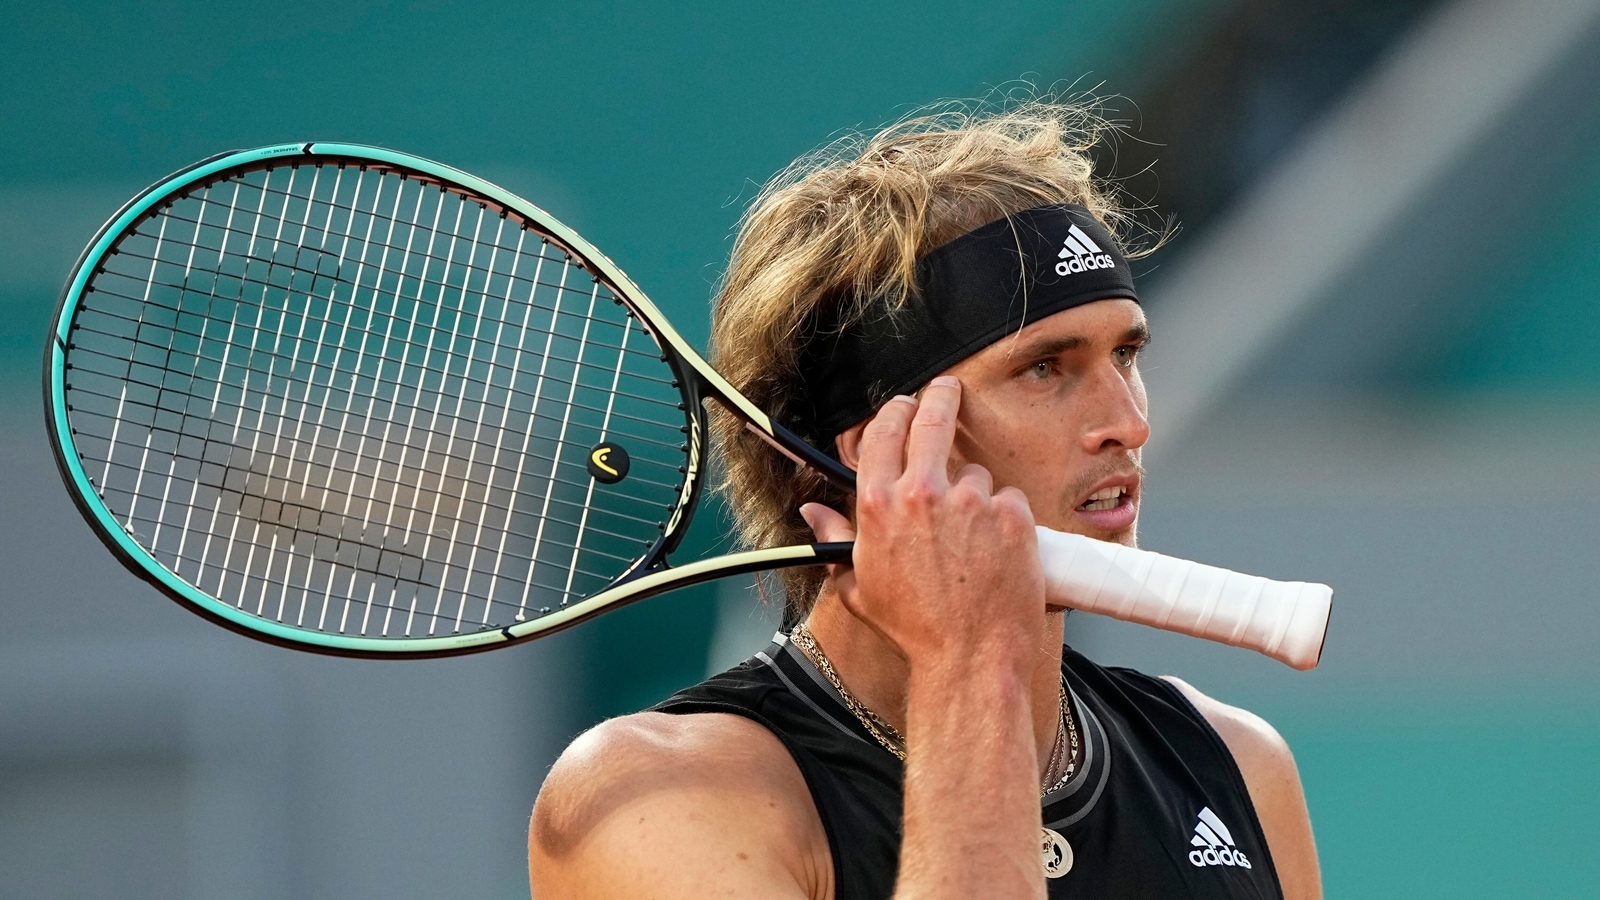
(1227, 856)
(1073, 264)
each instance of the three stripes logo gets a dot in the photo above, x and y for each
(1079, 254)
(1213, 844)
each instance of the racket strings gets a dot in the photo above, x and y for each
(468, 267)
(422, 280)
(393, 577)
(164, 390)
(374, 213)
(216, 476)
(276, 593)
(371, 312)
(377, 481)
(403, 344)
(236, 342)
(512, 348)
(398, 467)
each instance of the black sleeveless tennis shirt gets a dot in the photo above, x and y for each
(1157, 807)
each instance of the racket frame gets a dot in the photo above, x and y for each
(649, 575)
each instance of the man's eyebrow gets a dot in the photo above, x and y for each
(1046, 347)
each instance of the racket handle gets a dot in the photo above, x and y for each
(1286, 620)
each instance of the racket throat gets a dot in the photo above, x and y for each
(788, 443)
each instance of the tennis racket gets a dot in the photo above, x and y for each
(350, 400)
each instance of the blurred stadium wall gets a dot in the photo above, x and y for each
(1377, 364)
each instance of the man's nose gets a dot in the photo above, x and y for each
(1118, 417)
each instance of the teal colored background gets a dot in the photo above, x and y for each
(1450, 796)
(647, 127)
(644, 126)
(1541, 287)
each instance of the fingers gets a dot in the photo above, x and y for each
(975, 477)
(829, 527)
(883, 443)
(911, 436)
(1015, 504)
(933, 430)
(827, 524)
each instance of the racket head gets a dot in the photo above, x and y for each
(277, 430)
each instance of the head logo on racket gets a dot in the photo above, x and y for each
(608, 462)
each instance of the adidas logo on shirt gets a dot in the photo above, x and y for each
(1079, 253)
(1213, 844)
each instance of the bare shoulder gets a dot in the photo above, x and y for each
(669, 805)
(1255, 744)
(1273, 780)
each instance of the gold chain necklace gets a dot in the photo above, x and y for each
(1065, 745)
(1068, 728)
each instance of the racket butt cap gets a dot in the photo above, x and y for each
(1301, 647)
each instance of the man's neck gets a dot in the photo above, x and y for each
(875, 672)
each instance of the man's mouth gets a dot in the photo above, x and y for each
(1106, 498)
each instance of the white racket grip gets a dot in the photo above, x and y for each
(1286, 620)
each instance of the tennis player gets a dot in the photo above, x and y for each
(946, 305)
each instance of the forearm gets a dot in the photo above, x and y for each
(971, 821)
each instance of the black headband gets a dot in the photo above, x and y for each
(969, 293)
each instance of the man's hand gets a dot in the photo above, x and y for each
(946, 570)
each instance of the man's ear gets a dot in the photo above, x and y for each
(849, 445)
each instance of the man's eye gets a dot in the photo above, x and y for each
(1039, 370)
(1124, 356)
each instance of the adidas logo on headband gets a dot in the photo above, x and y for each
(1079, 253)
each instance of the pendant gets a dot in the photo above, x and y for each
(1056, 854)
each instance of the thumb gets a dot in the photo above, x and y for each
(827, 524)
(830, 527)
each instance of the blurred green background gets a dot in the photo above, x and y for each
(1421, 433)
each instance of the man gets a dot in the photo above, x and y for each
(946, 308)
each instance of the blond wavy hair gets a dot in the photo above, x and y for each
(841, 230)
